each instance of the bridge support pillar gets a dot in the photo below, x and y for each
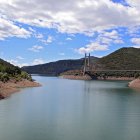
(86, 63)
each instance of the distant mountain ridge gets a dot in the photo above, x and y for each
(122, 59)
(54, 68)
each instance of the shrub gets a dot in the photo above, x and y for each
(4, 77)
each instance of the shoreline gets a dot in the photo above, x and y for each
(11, 87)
(87, 77)
(134, 84)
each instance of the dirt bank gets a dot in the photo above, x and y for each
(10, 87)
(135, 83)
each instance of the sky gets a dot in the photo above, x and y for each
(40, 31)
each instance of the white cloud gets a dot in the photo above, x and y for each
(113, 34)
(134, 3)
(10, 29)
(133, 31)
(20, 57)
(136, 46)
(36, 48)
(17, 62)
(73, 16)
(102, 42)
(94, 46)
(38, 61)
(48, 41)
(12, 61)
(118, 41)
(136, 41)
(99, 56)
(69, 38)
(107, 38)
(62, 54)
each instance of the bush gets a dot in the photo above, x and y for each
(137, 75)
(25, 75)
(4, 77)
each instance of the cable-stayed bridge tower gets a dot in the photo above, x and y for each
(86, 64)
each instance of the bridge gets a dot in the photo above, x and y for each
(87, 67)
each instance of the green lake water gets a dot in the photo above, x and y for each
(72, 110)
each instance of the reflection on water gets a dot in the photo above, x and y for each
(72, 110)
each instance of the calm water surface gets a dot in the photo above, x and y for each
(72, 110)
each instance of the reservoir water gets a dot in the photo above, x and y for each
(72, 110)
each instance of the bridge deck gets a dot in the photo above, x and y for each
(115, 70)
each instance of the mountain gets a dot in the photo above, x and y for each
(122, 59)
(55, 68)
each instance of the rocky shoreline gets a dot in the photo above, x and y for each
(10, 87)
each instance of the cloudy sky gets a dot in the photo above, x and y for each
(39, 31)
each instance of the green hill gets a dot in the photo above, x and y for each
(9, 71)
(122, 59)
(55, 68)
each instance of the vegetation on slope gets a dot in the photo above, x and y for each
(55, 68)
(9, 71)
(122, 59)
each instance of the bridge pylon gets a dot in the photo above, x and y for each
(86, 63)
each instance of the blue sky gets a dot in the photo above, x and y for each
(39, 31)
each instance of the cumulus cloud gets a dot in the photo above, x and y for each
(107, 38)
(133, 31)
(94, 46)
(36, 48)
(102, 42)
(9, 29)
(136, 41)
(73, 16)
(48, 40)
